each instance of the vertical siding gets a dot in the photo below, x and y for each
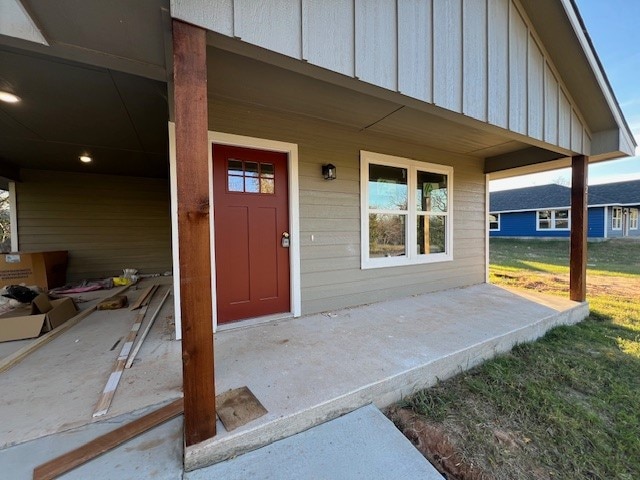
(415, 49)
(107, 223)
(550, 106)
(474, 86)
(498, 53)
(330, 211)
(447, 54)
(278, 29)
(518, 37)
(564, 121)
(536, 90)
(376, 42)
(328, 35)
(576, 132)
(480, 58)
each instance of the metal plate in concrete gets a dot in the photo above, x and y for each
(363, 444)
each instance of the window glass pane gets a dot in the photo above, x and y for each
(387, 187)
(251, 185)
(431, 192)
(235, 167)
(431, 234)
(236, 184)
(387, 235)
(266, 170)
(560, 223)
(493, 222)
(266, 185)
(251, 169)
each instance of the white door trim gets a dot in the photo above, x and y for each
(291, 149)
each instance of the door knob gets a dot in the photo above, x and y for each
(285, 239)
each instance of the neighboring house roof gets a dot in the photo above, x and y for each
(558, 196)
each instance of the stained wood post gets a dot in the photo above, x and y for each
(192, 173)
(578, 261)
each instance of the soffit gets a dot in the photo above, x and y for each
(247, 80)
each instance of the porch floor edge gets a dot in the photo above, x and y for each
(392, 387)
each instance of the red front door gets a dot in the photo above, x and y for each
(251, 217)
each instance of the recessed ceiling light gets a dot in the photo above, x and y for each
(86, 159)
(9, 97)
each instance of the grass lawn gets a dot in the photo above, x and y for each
(564, 407)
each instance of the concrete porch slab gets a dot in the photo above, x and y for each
(309, 370)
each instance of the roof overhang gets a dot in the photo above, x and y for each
(565, 38)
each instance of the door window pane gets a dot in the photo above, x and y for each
(250, 177)
(387, 187)
(431, 192)
(387, 235)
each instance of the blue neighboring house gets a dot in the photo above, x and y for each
(544, 211)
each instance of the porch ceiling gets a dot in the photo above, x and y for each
(250, 81)
(98, 86)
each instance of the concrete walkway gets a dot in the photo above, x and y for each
(360, 445)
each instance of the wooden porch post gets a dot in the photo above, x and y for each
(192, 173)
(578, 262)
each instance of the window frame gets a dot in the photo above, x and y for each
(497, 215)
(615, 219)
(552, 220)
(412, 213)
(633, 219)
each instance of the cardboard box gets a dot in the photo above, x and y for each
(41, 316)
(47, 270)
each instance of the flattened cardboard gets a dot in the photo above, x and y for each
(40, 317)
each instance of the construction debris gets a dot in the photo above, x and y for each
(113, 303)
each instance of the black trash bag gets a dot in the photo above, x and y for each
(20, 293)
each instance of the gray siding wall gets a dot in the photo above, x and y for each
(479, 58)
(106, 222)
(330, 210)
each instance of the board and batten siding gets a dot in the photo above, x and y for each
(479, 58)
(331, 276)
(105, 222)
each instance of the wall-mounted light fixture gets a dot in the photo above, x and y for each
(85, 158)
(329, 171)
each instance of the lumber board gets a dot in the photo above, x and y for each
(145, 332)
(146, 293)
(104, 402)
(18, 356)
(102, 444)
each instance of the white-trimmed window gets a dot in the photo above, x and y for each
(494, 222)
(405, 211)
(633, 219)
(616, 218)
(553, 220)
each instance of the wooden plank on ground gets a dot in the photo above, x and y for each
(146, 293)
(104, 402)
(106, 442)
(145, 332)
(16, 357)
(238, 407)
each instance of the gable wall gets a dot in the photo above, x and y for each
(480, 58)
